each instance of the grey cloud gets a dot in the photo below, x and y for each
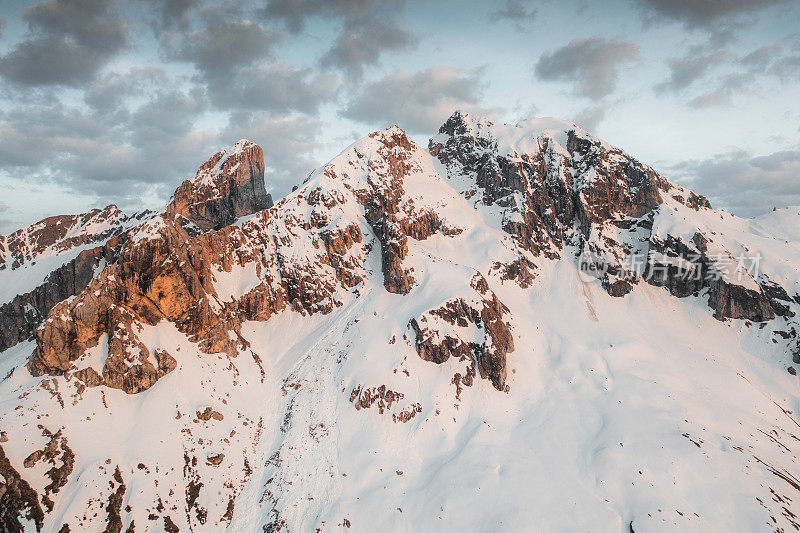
(713, 98)
(171, 14)
(766, 60)
(2, 26)
(107, 93)
(780, 161)
(276, 87)
(704, 13)
(3, 207)
(229, 55)
(69, 41)
(591, 117)
(362, 41)
(51, 129)
(294, 13)
(761, 57)
(787, 68)
(90, 22)
(369, 28)
(722, 95)
(110, 93)
(289, 145)
(744, 184)
(143, 151)
(50, 61)
(418, 101)
(167, 115)
(223, 45)
(772, 60)
(686, 70)
(513, 10)
(590, 63)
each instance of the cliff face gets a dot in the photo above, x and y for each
(165, 273)
(559, 187)
(405, 316)
(20, 317)
(227, 186)
(52, 260)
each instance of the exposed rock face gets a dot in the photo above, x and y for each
(472, 331)
(686, 268)
(521, 270)
(671, 266)
(135, 292)
(548, 183)
(61, 459)
(562, 186)
(227, 186)
(114, 503)
(62, 233)
(383, 211)
(53, 242)
(779, 299)
(383, 398)
(735, 301)
(20, 317)
(17, 499)
(514, 183)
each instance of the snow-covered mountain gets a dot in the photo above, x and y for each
(519, 328)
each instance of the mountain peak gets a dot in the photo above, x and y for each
(523, 137)
(263, 376)
(461, 123)
(392, 136)
(225, 162)
(228, 185)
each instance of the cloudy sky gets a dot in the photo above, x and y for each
(118, 101)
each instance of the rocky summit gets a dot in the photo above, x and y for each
(520, 327)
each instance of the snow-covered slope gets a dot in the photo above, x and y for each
(28, 255)
(456, 339)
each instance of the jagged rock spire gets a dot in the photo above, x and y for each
(229, 185)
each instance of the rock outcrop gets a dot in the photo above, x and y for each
(392, 221)
(473, 330)
(20, 317)
(18, 501)
(227, 186)
(731, 300)
(59, 234)
(557, 186)
(688, 267)
(53, 242)
(154, 279)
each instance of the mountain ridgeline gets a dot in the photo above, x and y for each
(229, 363)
